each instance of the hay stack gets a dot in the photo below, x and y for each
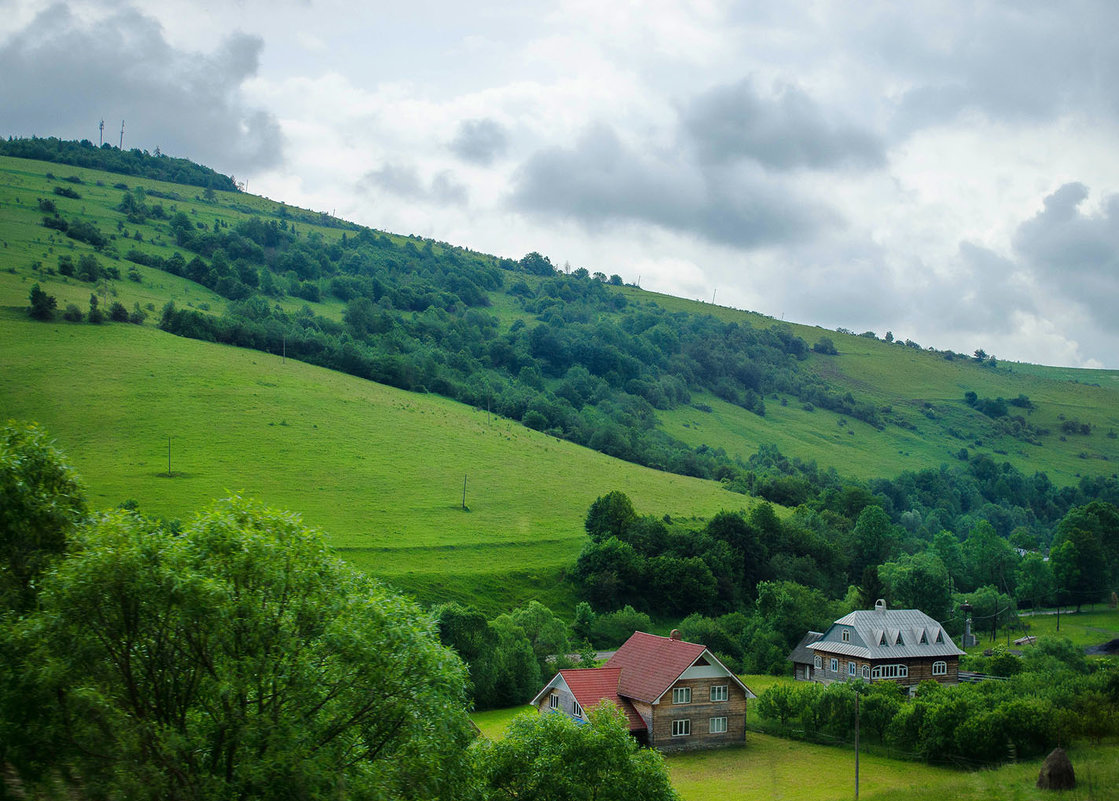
(1057, 772)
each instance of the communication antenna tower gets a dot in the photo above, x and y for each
(121, 145)
(101, 138)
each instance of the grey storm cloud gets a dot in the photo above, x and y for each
(1006, 63)
(405, 181)
(1075, 254)
(64, 74)
(786, 131)
(600, 181)
(480, 141)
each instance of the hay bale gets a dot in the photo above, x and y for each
(1057, 772)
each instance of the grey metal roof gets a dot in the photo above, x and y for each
(882, 633)
(801, 654)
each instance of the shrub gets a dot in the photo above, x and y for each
(73, 313)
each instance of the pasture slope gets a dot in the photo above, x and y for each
(380, 470)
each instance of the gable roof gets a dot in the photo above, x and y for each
(882, 633)
(650, 665)
(592, 686)
(801, 654)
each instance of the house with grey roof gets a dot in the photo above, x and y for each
(905, 646)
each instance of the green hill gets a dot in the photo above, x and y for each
(679, 385)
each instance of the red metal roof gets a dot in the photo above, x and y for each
(591, 685)
(651, 664)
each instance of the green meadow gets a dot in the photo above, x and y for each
(380, 470)
(768, 767)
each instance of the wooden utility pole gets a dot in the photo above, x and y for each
(856, 745)
(464, 493)
(169, 456)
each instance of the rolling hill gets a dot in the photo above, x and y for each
(381, 469)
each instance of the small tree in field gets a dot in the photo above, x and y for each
(42, 304)
(552, 758)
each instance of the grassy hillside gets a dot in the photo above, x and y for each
(379, 469)
(382, 470)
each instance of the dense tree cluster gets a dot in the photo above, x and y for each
(110, 159)
(1054, 696)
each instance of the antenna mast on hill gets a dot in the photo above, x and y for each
(121, 145)
(101, 138)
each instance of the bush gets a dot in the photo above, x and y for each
(118, 313)
(73, 313)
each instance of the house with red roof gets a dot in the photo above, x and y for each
(675, 695)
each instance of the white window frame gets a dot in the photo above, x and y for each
(719, 692)
(940, 668)
(553, 701)
(866, 671)
(717, 726)
(852, 669)
(576, 710)
(890, 672)
(833, 665)
(817, 661)
(846, 635)
(682, 727)
(681, 695)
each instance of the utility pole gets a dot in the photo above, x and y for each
(464, 493)
(856, 745)
(121, 145)
(713, 295)
(101, 137)
(169, 456)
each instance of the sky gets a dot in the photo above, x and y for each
(947, 171)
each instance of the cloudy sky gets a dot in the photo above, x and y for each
(945, 170)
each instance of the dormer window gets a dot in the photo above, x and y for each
(940, 636)
(899, 640)
(882, 640)
(924, 638)
(846, 635)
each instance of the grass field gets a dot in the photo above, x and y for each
(768, 767)
(379, 469)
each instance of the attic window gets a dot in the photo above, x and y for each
(846, 636)
(924, 638)
(702, 661)
(553, 701)
(940, 636)
(576, 710)
(899, 640)
(882, 640)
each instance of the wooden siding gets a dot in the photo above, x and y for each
(699, 712)
(919, 668)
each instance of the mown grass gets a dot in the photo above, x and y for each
(1087, 627)
(770, 767)
(379, 469)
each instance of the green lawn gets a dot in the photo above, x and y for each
(379, 469)
(769, 767)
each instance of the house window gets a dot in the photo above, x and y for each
(719, 692)
(882, 639)
(852, 668)
(924, 638)
(553, 702)
(817, 662)
(890, 672)
(866, 671)
(899, 640)
(939, 636)
(940, 668)
(833, 666)
(846, 636)
(682, 695)
(718, 726)
(681, 728)
(576, 710)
